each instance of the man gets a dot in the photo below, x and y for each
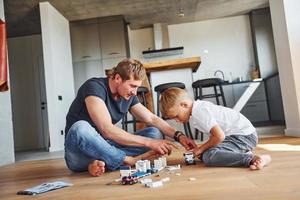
(94, 143)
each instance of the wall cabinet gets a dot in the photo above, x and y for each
(97, 45)
(112, 39)
(85, 42)
(275, 99)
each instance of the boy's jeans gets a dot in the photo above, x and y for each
(83, 144)
(234, 151)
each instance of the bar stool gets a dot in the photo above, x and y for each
(208, 83)
(161, 88)
(141, 94)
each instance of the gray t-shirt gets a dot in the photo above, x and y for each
(97, 87)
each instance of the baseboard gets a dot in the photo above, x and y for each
(294, 132)
(270, 131)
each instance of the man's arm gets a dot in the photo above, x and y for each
(101, 117)
(217, 136)
(143, 114)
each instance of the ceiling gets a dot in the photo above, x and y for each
(22, 16)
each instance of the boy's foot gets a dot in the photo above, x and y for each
(259, 162)
(96, 168)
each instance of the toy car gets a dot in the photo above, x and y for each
(189, 158)
(129, 180)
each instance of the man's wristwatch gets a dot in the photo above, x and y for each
(177, 135)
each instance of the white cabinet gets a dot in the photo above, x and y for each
(85, 42)
(97, 45)
(108, 64)
(85, 70)
(112, 39)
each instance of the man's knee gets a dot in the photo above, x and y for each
(154, 133)
(81, 129)
(208, 156)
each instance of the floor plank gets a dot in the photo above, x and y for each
(280, 180)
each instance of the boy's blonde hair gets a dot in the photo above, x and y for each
(128, 68)
(170, 99)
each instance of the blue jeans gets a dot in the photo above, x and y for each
(83, 144)
(234, 151)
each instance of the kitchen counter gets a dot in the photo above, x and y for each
(192, 62)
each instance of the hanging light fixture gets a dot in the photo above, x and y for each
(180, 13)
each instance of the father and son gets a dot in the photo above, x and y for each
(93, 143)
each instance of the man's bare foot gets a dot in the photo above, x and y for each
(259, 162)
(96, 168)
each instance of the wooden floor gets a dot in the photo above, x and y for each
(281, 180)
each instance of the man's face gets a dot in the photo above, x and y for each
(128, 88)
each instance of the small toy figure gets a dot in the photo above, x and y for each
(189, 158)
(129, 180)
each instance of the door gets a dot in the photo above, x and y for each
(59, 78)
(27, 93)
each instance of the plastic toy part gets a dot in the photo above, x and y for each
(189, 158)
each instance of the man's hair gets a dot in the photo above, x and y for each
(170, 99)
(128, 68)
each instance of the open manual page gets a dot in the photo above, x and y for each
(45, 187)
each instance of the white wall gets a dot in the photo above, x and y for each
(6, 130)
(286, 26)
(58, 71)
(223, 44)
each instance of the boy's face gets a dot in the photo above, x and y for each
(180, 113)
(128, 88)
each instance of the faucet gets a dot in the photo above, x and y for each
(215, 74)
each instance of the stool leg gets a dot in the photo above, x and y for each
(222, 94)
(144, 100)
(216, 94)
(124, 122)
(157, 105)
(190, 131)
(134, 123)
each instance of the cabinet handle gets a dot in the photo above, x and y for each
(86, 57)
(251, 105)
(113, 53)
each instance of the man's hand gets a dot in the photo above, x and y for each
(162, 147)
(198, 151)
(187, 143)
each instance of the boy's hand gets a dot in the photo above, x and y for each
(198, 151)
(187, 143)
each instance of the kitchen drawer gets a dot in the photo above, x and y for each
(256, 111)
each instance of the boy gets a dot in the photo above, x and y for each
(232, 136)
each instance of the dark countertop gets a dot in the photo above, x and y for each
(239, 82)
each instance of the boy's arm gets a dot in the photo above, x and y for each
(217, 136)
(146, 116)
